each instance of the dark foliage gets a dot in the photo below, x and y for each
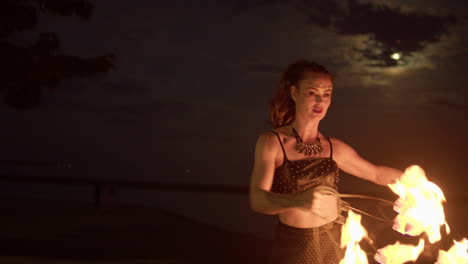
(26, 69)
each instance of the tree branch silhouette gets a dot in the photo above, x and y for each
(27, 69)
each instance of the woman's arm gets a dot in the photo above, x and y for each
(261, 199)
(350, 162)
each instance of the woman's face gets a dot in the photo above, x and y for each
(312, 95)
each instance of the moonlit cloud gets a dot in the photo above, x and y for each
(356, 39)
(185, 69)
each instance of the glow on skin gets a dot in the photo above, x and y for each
(312, 97)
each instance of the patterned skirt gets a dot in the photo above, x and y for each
(293, 245)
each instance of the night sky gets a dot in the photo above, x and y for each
(189, 93)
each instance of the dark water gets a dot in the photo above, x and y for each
(228, 211)
(231, 211)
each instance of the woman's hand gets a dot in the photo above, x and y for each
(323, 205)
(386, 175)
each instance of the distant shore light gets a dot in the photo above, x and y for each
(395, 56)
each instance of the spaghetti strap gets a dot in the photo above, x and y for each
(331, 148)
(281, 143)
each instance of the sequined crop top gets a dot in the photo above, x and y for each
(296, 176)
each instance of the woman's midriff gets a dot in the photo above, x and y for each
(301, 219)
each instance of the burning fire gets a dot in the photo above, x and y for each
(420, 211)
(398, 253)
(351, 233)
(419, 206)
(457, 254)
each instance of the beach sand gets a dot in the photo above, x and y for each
(36, 231)
(49, 231)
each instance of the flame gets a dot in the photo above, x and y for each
(351, 233)
(398, 253)
(419, 206)
(457, 254)
(354, 255)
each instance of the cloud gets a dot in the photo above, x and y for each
(390, 27)
(203, 54)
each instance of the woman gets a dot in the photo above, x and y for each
(297, 168)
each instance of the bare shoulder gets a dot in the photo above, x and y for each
(340, 147)
(337, 143)
(266, 138)
(268, 142)
(271, 137)
(266, 149)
